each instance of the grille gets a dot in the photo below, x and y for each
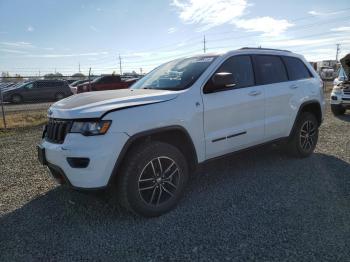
(346, 91)
(56, 130)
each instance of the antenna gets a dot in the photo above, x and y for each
(204, 45)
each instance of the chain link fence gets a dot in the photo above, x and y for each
(24, 101)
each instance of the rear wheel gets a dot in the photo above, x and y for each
(337, 110)
(16, 99)
(303, 140)
(152, 179)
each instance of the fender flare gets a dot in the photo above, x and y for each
(301, 107)
(144, 134)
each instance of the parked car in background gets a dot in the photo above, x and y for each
(40, 90)
(107, 82)
(340, 96)
(73, 86)
(341, 76)
(70, 81)
(327, 73)
(143, 143)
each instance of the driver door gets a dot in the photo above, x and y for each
(234, 115)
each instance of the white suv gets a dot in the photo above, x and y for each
(340, 96)
(143, 142)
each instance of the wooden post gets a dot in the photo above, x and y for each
(2, 109)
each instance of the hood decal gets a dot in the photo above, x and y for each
(131, 106)
(98, 104)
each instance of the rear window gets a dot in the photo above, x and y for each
(269, 69)
(296, 68)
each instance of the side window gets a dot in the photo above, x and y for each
(115, 79)
(104, 80)
(269, 69)
(57, 84)
(29, 86)
(40, 84)
(241, 69)
(296, 68)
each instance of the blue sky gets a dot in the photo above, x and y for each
(49, 35)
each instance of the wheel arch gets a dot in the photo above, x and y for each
(312, 106)
(17, 94)
(175, 135)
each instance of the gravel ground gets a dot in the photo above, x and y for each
(257, 205)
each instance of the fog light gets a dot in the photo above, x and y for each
(334, 97)
(78, 162)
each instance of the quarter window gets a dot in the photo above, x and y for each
(296, 68)
(269, 69)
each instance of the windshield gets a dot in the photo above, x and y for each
(342, 74)
(175, 75)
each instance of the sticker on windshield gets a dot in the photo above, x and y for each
(204, 60)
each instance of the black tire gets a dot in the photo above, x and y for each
(338, 110)
(302, 142)
(16, 99)
(143, 188)
(59, 96)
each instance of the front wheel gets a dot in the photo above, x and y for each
(152, 179)
(16, 99)
(337, 110)
(304, 137)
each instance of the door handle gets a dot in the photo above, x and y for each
(293, 87)
(254, 93)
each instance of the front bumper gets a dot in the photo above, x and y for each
(102, 151)
(340, 99)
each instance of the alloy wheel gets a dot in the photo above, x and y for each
(159, 181)
(307, 135)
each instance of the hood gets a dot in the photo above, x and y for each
(95, 104)
(12, 87)
(345, 62)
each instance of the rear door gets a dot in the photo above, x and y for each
(271, 73)
(47, 90)
(29, 91)
(234, 117)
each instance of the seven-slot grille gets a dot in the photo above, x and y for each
(56, 130)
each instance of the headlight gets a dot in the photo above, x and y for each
(337, 90)
(91, 128)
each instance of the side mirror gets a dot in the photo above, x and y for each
(223, 80)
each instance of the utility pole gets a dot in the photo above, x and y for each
(90, 78)
(2, 109)
(140, 70)
(204, 45)
(79, 67)
(338, 50)
(120, 65)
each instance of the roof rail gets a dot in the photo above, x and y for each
(260, 48)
